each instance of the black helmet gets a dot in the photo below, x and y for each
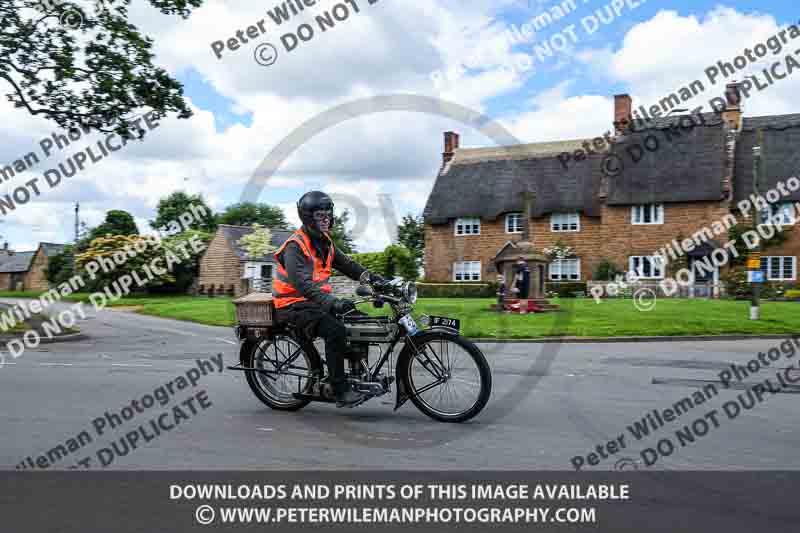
(312, 202)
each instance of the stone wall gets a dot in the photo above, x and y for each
(36, 278)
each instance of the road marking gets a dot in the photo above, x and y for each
(265, 429)
(129, 364)
(55, 364)
(224, 340)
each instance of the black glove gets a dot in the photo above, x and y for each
(376, 280)
(342, 306)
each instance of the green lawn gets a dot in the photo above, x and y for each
(580, 317)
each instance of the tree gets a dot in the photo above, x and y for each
(342, 239)
(117, 222)
(59, 267)
(249, 213)
(87, 69)
(171, 207)
(411, 234)
(114, 244)
(258, 243)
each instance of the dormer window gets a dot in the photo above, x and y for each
(514, 223)
(565, 222)
(647, 214)
(468, 226)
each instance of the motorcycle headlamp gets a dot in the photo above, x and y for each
(409, 291)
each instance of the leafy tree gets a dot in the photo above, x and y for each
(400, 262)
(106, 247)
(59, 267)
(342, 239)
(249, 213)
(173, 206)
(187, 271)
(258, 243)
(117, 222)
(411, 234)
(88, 69)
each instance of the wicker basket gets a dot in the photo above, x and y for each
(255, 309)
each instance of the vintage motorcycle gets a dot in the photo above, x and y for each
(444, 375)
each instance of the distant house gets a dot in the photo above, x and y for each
(225, 268)
(26, 271)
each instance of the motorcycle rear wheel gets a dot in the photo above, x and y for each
(277, 389)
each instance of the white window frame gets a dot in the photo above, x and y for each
(469, 269)
(556, 268)
(767, 267)
(653, 260)
(252, 269)
(560, 221)
(786, 210)
(656, 212)
(465, 223)
(517, 217)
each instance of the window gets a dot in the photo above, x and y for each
(647, 214)
(257, 270)
(565, 222)
(779, 268)
(514, 223)
(468, 226)
(467, 271)
(266, 272)
(783, 214)
(646, 267)
(565, 270)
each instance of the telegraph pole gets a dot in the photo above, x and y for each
(77, 224)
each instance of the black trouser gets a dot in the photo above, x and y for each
(315, 322)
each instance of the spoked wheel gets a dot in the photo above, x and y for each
(448, 377)
(292, 368)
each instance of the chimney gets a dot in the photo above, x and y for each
(451, 143)
(732, 115)
(622, 112)
(527, 229)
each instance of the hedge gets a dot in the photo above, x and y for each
(457, 290)
(566, 289)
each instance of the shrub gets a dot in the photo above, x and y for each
(606, 271)
(567, 289)
(372, 261)
(793, 294)
(736, 285)
(457, 290)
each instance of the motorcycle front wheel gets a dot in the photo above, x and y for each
(447, 377)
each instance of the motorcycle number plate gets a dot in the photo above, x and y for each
(444, 322)
(408, 322)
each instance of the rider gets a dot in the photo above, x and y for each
(302, 294)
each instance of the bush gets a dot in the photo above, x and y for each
(793, 294)
(394, 261)
(457, 290)
(606, 271)
(736, 286)
(567, 289)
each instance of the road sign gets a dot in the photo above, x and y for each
(755, 277)
(754, 263)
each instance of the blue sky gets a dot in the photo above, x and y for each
(243, 110)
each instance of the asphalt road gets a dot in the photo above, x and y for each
(550, 403)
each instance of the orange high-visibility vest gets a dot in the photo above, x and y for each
(283, 292)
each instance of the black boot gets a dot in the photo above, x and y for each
(346, 396)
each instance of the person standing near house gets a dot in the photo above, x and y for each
(302, 294)
(523, 279)
(501, 292)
